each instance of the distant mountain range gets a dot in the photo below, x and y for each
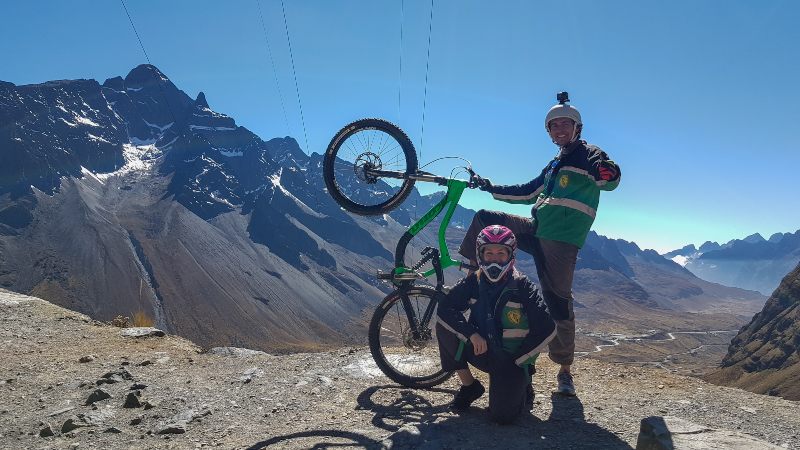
(750, 263)
(131, 196)
(765, 356)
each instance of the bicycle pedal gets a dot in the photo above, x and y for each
(381, 275)
(406, 276)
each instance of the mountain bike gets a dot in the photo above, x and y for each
(370, 167)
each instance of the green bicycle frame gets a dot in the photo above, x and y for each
(455, 188)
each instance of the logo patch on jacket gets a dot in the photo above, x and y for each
(514, 316)
(563, 181)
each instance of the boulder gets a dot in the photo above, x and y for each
(668, 433)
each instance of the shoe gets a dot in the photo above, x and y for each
(466, 395)
(565, 384)
(529, 396)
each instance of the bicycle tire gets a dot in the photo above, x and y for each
(384, 351)
(369, 196)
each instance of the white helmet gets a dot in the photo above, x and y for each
(562, 109)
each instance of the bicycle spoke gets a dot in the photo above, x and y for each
(414, 354)
(361, 151)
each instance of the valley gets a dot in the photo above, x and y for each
(693, 353)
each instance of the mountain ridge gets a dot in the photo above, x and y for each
(156, 202)
(749, 263)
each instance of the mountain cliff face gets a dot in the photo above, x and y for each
(131, 196)
(765, 356)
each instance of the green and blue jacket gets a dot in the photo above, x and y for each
(565, 196)
(511, 316)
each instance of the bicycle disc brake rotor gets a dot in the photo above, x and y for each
(365, 162)
(416, 344)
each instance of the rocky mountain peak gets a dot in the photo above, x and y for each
(200, 101)
(683, 251)
(144, 75)
(709, 246)
(116, 83)
(754, 238)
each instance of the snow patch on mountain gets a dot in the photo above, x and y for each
(229, 154)
(68, 122)
(158, 127)
(202, 127)
(209, 112)
(97, 138)
(138, 158)
(680, 259)
(86, 121)
(88, 173)
(142, 142)
(276, 181)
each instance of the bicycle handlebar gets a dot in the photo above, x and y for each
(421, 175)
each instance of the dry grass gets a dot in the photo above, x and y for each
(120, 321)
(142, 319)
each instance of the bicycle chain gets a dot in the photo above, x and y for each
(428, 254)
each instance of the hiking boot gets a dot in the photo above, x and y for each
(565, 384)
(466, 395)
(529, 396)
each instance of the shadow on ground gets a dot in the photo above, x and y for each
(413, 421)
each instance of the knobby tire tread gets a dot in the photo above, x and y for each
(377, 354)
(330, 158)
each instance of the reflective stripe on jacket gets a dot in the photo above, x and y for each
(518, 314)
(566, 193)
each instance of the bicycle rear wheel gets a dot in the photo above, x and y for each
(364, 146)
(409, 360)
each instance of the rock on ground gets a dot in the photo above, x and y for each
(187, 398)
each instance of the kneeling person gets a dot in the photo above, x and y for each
(507, 328)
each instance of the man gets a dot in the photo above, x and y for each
(507, 328)
(565, 197)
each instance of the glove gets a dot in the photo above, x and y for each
(606, 173)
(482, 183)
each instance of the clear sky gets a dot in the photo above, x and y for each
(696, 100)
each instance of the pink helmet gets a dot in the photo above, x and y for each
(499, 235)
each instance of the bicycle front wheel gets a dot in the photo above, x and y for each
(407, 352)
(356, 154)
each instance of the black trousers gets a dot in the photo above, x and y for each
(508, 383)
(555, 265)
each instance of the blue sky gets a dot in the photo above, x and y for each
(696, 100)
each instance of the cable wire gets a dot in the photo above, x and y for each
(294, 73)
(135, 32)
(400, 78)
(272, 63)
(160, 85)
(425, 95)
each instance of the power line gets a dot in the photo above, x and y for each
(272, 62)
(294, 73)
(136, 32)
(425, 95)
(160, 85)
(400, 78)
